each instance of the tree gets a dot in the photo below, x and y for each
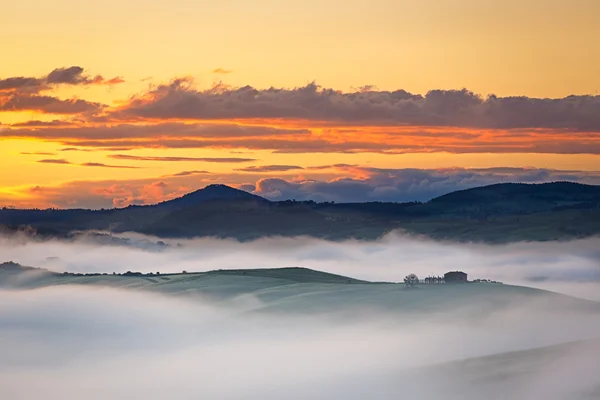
(411, 280)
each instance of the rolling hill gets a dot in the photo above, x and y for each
(303, 290)
(494, 214)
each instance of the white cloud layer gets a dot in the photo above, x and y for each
(100, 343)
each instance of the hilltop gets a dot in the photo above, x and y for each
(304, 290)
(493, 214)
(210, 193)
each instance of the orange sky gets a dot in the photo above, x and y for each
(121, 120)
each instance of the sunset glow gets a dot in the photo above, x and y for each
(269, 96)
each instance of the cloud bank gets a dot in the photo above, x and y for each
(576, 264)
(98, 343)
(23, 93)
(339, 183)
(305, 119)
(455, 108)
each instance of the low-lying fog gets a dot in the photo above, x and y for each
(84, 343)
(81, 342)
(567, 267)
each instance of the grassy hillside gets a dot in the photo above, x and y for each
(304, 290)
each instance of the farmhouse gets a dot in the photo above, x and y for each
(455, 277)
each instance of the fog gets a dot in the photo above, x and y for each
(76, 342)
(93, 342)
(567, 267)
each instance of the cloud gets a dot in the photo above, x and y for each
(308, 119)
(288, 138)
(221, 71)
(58, 342)
(182, 159)
(114, 81)
(71, 75)
(60, 76)
(95, 164)
(158, 131)
(37, 153)
(448, 108)
(87, 164)
(19, 83)
(360, 184)
(341, 183)
(54, 161)
(188, 173)
(74, 149)
(389, 259)
(157, 346)
(48, 104)
(43, 124)
(321, 167)
(269, 168)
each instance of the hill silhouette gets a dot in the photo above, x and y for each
(211, 193)
(495, 213)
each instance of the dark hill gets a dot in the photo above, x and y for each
(496, 213)
(10, 269)
(555, 193)
(211, 193)
(515, 198)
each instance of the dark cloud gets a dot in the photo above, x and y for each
(188, 173)
(114, 81)
(159, 131)
(60, 76)
(321, 167)
(49, 104)
(37, 153)
(248, 187)
(407, 184)
(319, 144)
(222, 71)
(314, 120)
(88, 164)
(94, 164)
(74, 149)
(19, 83)
(43, 124)
(269, 168)
(182, 159)
(71, 75)
(456, 108)
(54, 161)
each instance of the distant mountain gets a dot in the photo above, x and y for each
(495, 214)
(211, 193)
(520, 198)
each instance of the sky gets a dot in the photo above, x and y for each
(135, 102)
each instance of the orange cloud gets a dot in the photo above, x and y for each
(290, 139)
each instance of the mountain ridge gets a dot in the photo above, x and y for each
(494, 214)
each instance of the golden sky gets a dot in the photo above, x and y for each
(388, 97)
